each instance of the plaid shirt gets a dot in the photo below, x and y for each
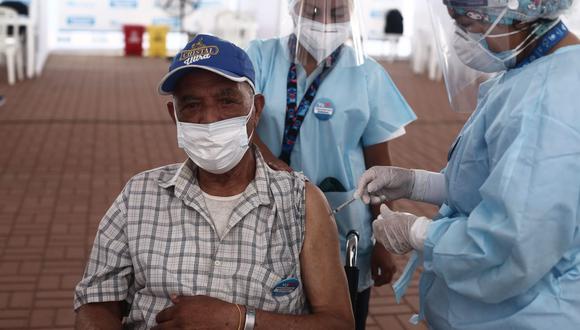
(157, 239)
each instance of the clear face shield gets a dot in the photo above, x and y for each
(477, 42)
(572, 17)
(326, 31)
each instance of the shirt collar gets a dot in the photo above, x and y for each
(185, 185)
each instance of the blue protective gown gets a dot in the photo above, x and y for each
(368, 109)
(505, 253)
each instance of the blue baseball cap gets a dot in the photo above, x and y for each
(212, 54)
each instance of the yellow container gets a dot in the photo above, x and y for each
(157, 40)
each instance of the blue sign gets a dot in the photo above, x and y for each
(80, 4)
(192, 4)
(124, 3)
(173, 23)
(81, 21)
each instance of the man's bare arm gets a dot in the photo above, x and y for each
(95, 316)
(322, 274)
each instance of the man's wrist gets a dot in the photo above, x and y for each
(250, 321)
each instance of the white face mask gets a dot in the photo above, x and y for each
(320, 40)
(217, 147)
(473, 50)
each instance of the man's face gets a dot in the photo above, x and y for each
(324, 11)
(203, 97)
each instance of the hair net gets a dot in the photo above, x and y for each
(518, 10)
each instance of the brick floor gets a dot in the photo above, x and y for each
(70, 139)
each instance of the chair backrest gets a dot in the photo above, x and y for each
(6, 15)
(394, 22)
(21, 8)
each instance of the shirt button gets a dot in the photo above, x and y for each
(217, 263)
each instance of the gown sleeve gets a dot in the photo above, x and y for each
(528, 216)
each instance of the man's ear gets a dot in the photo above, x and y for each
(259, 103)
(170, 110)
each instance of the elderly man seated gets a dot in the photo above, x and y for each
(221, 241)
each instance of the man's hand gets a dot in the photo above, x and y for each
(383, 266)
(199, 312)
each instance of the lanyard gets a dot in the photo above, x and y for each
(547, 42)
(295, 114)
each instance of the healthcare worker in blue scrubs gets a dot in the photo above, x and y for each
(504, 251)
(330, 112)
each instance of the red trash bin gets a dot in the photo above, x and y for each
(133, 39)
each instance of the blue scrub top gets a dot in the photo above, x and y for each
(505, 253)
(367, 109)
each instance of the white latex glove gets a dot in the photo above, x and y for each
(385, 183)
(400, 232)
(389, 183)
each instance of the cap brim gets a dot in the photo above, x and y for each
(167, 83)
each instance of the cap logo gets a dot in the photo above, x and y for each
(199, 51)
